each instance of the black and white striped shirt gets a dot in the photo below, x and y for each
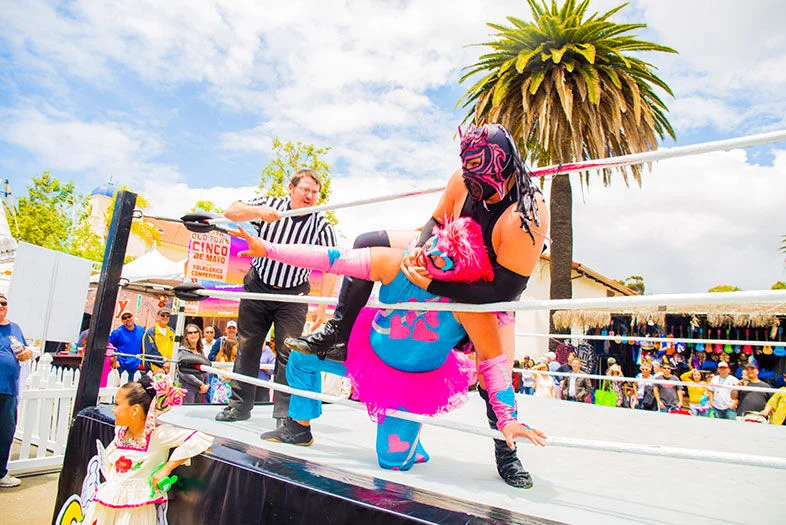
(304, 229)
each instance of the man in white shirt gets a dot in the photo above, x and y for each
(723, 400)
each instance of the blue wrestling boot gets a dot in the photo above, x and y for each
(508, 465)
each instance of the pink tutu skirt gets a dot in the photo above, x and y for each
(381, 387)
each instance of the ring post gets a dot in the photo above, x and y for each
(106, 298)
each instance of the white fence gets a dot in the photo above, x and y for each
(45, 406)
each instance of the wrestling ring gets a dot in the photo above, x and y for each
(600, 465)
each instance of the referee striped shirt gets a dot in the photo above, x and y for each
(304, 229)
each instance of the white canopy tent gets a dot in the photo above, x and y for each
(152, 269)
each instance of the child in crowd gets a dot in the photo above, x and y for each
(136, 463)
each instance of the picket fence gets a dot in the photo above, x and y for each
(44, 417)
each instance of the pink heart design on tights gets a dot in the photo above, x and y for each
(396, 445)
(422, 333)
(397, 329)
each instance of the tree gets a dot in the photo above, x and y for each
(724, 288)
(780, 285)
(567, 88)
(634, 282)
(207, 206)
(44, 215)
(290, 157)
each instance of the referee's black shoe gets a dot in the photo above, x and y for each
(230, 415)
(325, 344)
(292, 433)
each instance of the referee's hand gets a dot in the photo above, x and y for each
(268, 214)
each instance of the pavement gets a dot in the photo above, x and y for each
(32, 502)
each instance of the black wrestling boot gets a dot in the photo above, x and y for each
(508, 465)
(331, 342)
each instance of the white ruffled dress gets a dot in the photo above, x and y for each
(128, 465)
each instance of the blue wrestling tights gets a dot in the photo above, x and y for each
(398, 444)
(304, 372)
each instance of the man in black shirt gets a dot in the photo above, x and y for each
(750, 401)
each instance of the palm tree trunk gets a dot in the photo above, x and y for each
(561, 208)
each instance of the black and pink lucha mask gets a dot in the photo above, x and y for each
(492, 144)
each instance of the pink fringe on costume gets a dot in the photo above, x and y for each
(381, 387)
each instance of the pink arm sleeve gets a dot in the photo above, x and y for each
(354, 263)
(497, 375)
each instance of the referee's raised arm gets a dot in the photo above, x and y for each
(240, 211)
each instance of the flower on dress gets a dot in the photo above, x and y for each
(123, 464)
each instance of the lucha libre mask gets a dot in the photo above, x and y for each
(491, 145)
(459, 244)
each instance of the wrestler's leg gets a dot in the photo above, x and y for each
(303, 372)
(353, 296)
(494, 347)
(398, 444)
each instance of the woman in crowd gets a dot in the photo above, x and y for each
(544, 385)
(616, 386)
(697, 395)
(228, 352)
(195, 385)
(527, 379)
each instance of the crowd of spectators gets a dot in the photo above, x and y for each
(707, 396)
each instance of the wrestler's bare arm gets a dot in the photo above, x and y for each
(516, 250)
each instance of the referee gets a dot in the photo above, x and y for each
(265, 276)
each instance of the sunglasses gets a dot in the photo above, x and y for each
(164, 315)
(192, 332)
(3, 303)
(126, 317)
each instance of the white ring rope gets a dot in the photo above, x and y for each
(339, 205)
(662, 340)
(650, 380)
(608, 303)
(609, 162)
(606, 446)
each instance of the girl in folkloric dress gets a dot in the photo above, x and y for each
(138, 459)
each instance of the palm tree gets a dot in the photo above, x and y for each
(568, 90)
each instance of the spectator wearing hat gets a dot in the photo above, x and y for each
(158, 342)
(576, 388)
(668, 397)
(722, 398)
(553, 365)
(776, 406)
(750, 401)
(127, 339)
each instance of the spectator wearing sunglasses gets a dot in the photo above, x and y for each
(127, 339)
(195, 385)
(158, 343)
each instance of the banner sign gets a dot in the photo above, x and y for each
(208, 256)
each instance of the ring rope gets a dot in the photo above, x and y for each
(608, 303)
(643, 339)
(606, 446)
(650, 380)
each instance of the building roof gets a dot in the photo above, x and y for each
(586, 271)
(172, 231)
(107, 189)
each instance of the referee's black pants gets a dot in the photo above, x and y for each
(254, 320)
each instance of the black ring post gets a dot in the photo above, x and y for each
(106, 298)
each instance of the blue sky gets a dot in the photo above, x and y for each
(180, 101)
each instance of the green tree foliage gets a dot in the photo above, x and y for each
(44, 214)
(780, 285)
(568, 89)
(634, 282)
(207, 206)
(288, 158)
(724, 288)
